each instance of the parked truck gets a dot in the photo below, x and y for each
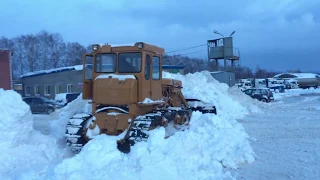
(305, 80)
(273, 84)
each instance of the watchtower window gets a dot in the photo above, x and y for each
(106, 63)
(129, 63)
(155, 68)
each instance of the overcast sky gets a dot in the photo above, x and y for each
(274, 34)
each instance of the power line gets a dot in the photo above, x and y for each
(193, 52)
(187, 48)
(64, 58)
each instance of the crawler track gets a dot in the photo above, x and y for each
(74, 132)
(173, 119)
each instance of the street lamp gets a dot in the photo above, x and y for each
(232, 33)
(216, 32)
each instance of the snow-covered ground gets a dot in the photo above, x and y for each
(296, 92)
(287, 140)
(212, 148)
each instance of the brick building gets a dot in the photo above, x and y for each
(5, 69)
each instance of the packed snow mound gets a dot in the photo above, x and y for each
(198, 153)
(14, 114)
(252, 105)
(58, 125)
(23, 150)
(212, 143)
(227, 100)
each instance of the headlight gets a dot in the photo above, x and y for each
(95, 47)
(140, 45)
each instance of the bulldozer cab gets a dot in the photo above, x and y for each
(141, 61)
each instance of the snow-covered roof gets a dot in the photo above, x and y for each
(299, 75)
(305, 75)
(48, 71)
(116, 45)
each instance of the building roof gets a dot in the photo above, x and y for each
(299, 75)
(79, 68)
(55, 70)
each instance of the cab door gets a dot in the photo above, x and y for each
(87, 76)
(147, 77)
(156, 83)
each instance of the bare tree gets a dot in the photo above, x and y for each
(31, 50)
(18, 60)
(74, 53)
(48, 50)
(56, 50)
(45, 52)
(6, 43)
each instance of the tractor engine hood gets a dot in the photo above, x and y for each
(115, 89)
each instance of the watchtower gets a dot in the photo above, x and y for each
(222, 48)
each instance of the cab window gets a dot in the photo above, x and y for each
(106, 63)
(147, 68)
(129, 62)
(155, 68)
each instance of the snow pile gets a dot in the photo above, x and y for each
(14, 114)
(58, 125)
(252, 105)
(61, 98)
(228, 101)
(211, 143)
(23, 150)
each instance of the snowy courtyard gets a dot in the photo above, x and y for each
(247, 139)
(285, 140)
